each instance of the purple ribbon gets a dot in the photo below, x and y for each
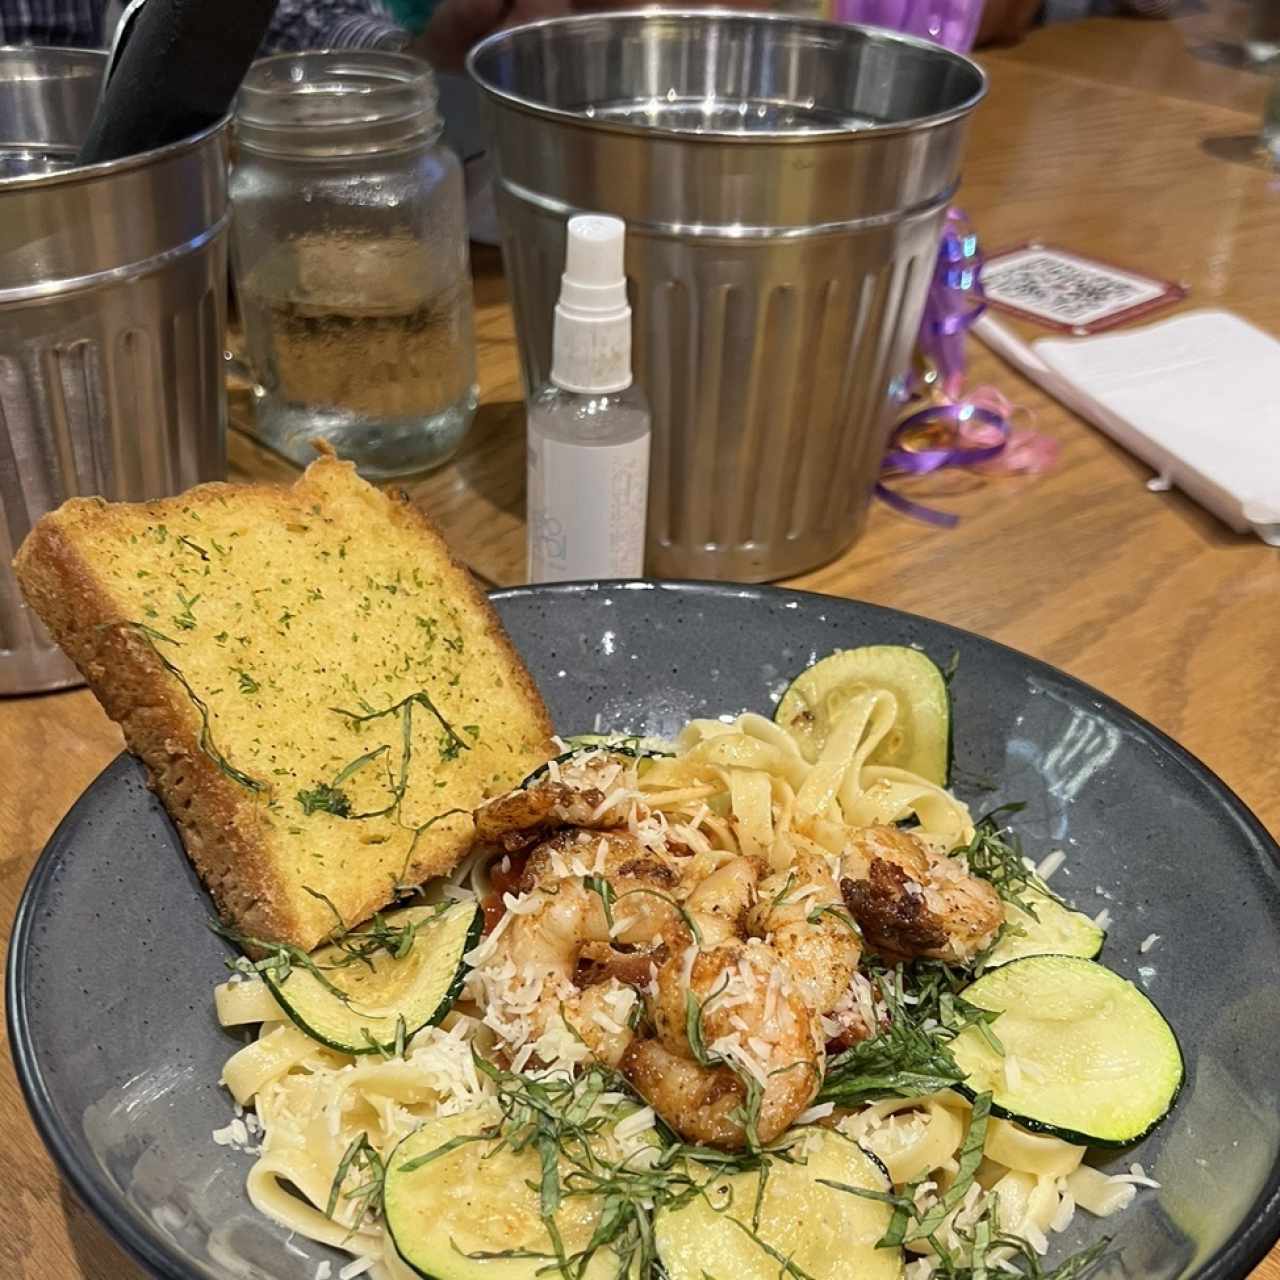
(922, 461)
(955, 298)
(955, 301)
(943, 519)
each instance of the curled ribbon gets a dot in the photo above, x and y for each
(955, 301)
(952, 429)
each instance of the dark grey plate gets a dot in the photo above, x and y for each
(111, 966)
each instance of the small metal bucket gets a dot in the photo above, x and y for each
(783, 181)
(112, 309)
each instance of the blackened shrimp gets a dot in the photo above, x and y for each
(911, 901)
(521, 817)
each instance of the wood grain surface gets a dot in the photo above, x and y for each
(1108, 138)
(1199, 57)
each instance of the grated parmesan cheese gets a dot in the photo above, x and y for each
(1148, 942)
(606, 804)
(636, 1123)
(771, 997)
(1137, 1176)
(819, 1112)
(731, 1048)
(1034, 1237)
(324, 1270)
(486, 948)
(235, 1134)
(357, 1268)
(524, 904)
(606, 1023)
(621, 924)
(1051, 863)
(1012, 1073)
(1103, 919)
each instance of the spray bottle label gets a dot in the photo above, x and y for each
(586, 509)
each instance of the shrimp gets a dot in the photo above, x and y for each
(911, 901)
(612, 855)
(749, 1022)
(703, 1104)
(716, 907)
(801, 912)
(530, 979)
(600, 1015)
(719, 903)
(518, 819)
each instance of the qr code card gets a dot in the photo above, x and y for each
(1065, 291)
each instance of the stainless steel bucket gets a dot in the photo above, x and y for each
(784, 183)
(112, 307)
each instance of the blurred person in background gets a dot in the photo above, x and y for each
(448, 28)
(1007, 21)
(440, 30)
(454, 25)
(297, 24)
(443, 30)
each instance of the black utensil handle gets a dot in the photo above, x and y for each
(177, 73)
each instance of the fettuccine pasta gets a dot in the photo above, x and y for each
(726, 794)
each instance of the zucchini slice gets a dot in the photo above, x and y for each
(623, 744)
(921, 739)
(827, 1234)
(1055, 930)
(481, 1197)
(419, 987)
(1087, 1057)
(618, 744)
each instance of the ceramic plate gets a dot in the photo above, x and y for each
(111, 967)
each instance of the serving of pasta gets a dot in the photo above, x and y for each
(764, 1000)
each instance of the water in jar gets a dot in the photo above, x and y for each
(352, 340)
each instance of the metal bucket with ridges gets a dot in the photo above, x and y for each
(784, 182)
(112, 310)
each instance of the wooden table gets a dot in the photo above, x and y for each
(1199, 58)
(1142, 594)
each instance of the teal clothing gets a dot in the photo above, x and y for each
(412, 14)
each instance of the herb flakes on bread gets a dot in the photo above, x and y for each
(320, 693)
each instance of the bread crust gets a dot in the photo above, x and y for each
(215, 818)
(219, 819)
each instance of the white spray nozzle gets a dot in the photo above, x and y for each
(594, 283)
(591, 350)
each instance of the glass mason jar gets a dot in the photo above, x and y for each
(349, 245)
